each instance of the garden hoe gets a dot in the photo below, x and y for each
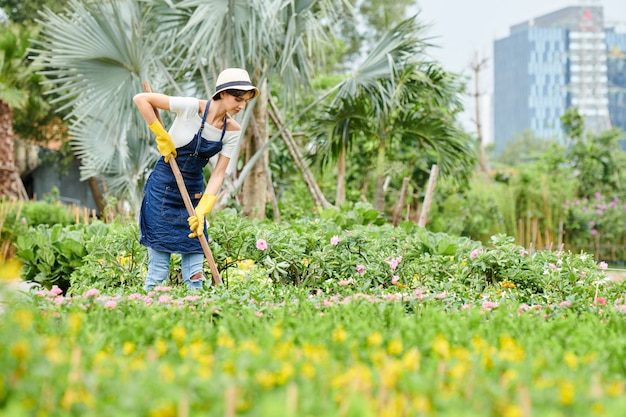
(215, 274)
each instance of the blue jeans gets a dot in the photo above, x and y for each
(159, 268)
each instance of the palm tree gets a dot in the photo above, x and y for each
(277, 41)
(95, 57)
(99, 52)
(13, 71)
(393, 97)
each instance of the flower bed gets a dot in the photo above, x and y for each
(263, 350)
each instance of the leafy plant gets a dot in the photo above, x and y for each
(51, 254)
(115, 259)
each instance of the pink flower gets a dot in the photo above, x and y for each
(565, 303)
(601, 301)
(55, 291)
(360, 269)
(164, 299)
(474, 253)
(261, 244)
(344, 282)
(110, 304)
(603, 265)
(395, 279)
(465, 306)
(393, 262)
(258, 314)
(91, 292)
(334, 240)
(162, 288)
(594, 232)
(489, 305)
(440, 296)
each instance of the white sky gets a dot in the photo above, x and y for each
(461, 29)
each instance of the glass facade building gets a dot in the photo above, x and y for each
(554, 62)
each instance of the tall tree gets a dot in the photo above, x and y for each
(14, 70)
(394, 96)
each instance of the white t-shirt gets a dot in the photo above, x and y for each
(188, 121)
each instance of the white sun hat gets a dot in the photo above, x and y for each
(234, 79)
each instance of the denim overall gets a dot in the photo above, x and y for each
(163, 216)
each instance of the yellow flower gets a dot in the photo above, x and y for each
(228, 366)
(24, 318)
(411, 360)
(285, 372)
(137, 364)
(277, 331)
(567, 392)
(128, 348)
(510, 350)
(179, 333)
(339, 335)
(441, 347)
(249, 346)
(74, 321)
(246, 264)
(163, 410)
(461, 353)
(167, 372)
(509, 376)
(265, 379)
(224, 340)
(124, 260)
(395, 347)
(307, 370)
(421, 404)
(374, 339)
(570, 359)
(20, 350)
(458, 370)
(282, 350)
(10, 269)
(512, 410)
(615, 389)
(161, 347)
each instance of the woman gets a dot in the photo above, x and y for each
(201, 129)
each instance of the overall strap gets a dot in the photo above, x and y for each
(206, 111)
(199, 134)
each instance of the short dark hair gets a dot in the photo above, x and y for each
(233, 92)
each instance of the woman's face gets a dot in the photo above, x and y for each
(236, 104)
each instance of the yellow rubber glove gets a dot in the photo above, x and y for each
(163, 140)
(196, 223)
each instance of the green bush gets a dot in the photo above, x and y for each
(50, 254)
(115, 259)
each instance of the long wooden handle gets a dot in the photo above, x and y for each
(215, 273)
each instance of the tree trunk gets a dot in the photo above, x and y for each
(341, 177)
(96, 193)
(254, 190)
(318, 198)
(11, 185)
(379, 192)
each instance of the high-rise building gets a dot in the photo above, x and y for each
(553, 62)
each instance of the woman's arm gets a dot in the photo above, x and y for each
(217, 175)
(146, 102)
